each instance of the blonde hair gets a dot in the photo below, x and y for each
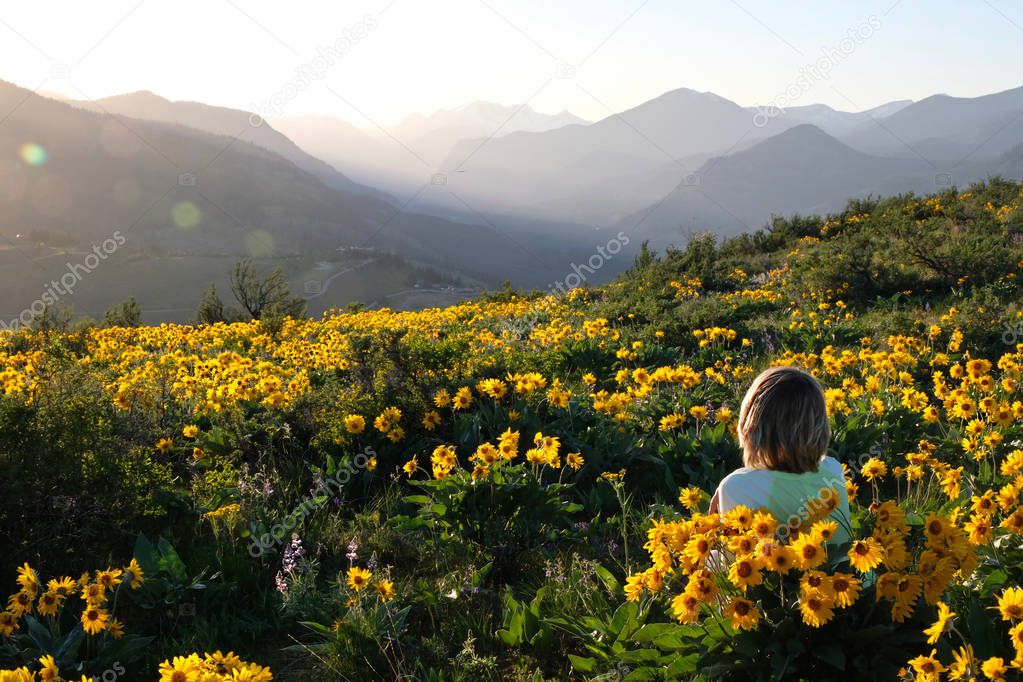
(783, 422)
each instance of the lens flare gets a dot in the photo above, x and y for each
(185, 214)
(33, 154)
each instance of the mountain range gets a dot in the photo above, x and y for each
(403, 156)
(184, 177)
(484, 192)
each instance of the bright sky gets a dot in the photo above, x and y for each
(420, 55)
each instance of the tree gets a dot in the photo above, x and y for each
(125, 314)
(269, 296)
(211, 308)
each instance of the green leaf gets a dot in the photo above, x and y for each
(640, 656)
(612, 584)
(623, 615)
(171, 561)
(582, 664)
(682, 666)
(39, 634)
(642, 675)
(68, 650)
(318, 628)
(145, 554)
(649, 633)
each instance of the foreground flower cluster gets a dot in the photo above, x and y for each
(215, 667)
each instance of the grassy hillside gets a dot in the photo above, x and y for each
(517, 487)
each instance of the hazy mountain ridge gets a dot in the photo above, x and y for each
(172, 187)
(802, 170)
(401, 157)
(942, 128)
(233, 123)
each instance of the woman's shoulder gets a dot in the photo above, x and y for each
(831, 465)
(741, 475)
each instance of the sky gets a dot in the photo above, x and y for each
(372, 62)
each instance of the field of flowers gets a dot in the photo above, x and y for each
(518, 487)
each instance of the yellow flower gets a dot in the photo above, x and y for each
(671, 421)
(387, 420)
(874, 469)
(20, 603)
(690, 497)
(385, 590)
(49, 603)
(94, 619)
(164, 445)
(962, 663)
(358, 578)
(846, 589)
(1010, 604)
(889, 514)
(190, 431)
(780, 559)
(686, 607)
(739, 518)
(442, 398)
(808, 551)
(108, 578)
(994, 669)
(494, 388)
(634, 585)
(699, 412)
(865, 554)
(743, 614)
(823, 531)
(411, 467)
(431, 420)
(355, 423)
(938, 628)
(115, 628)
(745, 572)
(574, 460)
(936, 527)
(928, 668)
(181, 669)
(133, 572)
(816, 609)
(462, 399)
(8, 623)
(49, 671)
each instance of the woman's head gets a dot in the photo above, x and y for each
(783, 422)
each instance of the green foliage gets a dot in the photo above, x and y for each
(125, 314)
